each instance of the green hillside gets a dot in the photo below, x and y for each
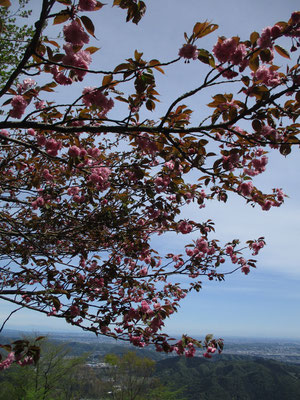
(231, 378)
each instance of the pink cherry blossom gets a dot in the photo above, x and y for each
(188, 51)
(224, 49)
(147, 144)
(265, 39)
(39, 105)
(202, 245)
(100, 176)
(75, 34)
(39, 202)
(62, 79)
(41, 140)
(19, 105)
(184, 227)
(74, 311)
(27, 84)
(52, 147)
(267, 75)
(95, 97)
(239, 54)
(266, 205)
(28, 360)
(79, 59)
(257, 246)
(245, 269)
(47, 176)
(4, 132)
(87, 5)
(74, 151)
(245, 188)
(8, 361)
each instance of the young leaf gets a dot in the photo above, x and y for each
(253, 37)
(88, 24)
(98, 6)
(106, 80)
(60, 18)
(254, 63)
(92, 49)
(5, 3)
(52, 42)
(280, 50)
(202, 29)
(209, 337)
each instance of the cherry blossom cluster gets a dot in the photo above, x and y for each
(230, 50)
(188, 51)
(100, 177)
(8, 361)
(95, 97)
(256, 166)
(80, 60)
(25, 85)
(87, 5)
(19, 105)
(147, 144)
(52, 146)
(98, 205)
(267, 75)
(75, 34)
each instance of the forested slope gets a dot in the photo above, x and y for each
(231, 378)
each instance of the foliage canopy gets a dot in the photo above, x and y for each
(83, 192)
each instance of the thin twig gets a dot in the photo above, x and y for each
(2, 326)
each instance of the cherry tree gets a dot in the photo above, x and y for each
(83, 194)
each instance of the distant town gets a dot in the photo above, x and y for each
(282, 350)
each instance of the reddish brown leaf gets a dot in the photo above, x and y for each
(88, 24)
(60, 18)
(281, 51)
(5, 3)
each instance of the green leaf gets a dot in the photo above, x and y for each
(205, 57)
(209, 337)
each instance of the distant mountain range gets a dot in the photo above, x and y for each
(276, 349)
(236, 374)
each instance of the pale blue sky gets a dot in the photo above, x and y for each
(266, 302)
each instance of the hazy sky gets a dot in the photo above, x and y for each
(266, 302)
